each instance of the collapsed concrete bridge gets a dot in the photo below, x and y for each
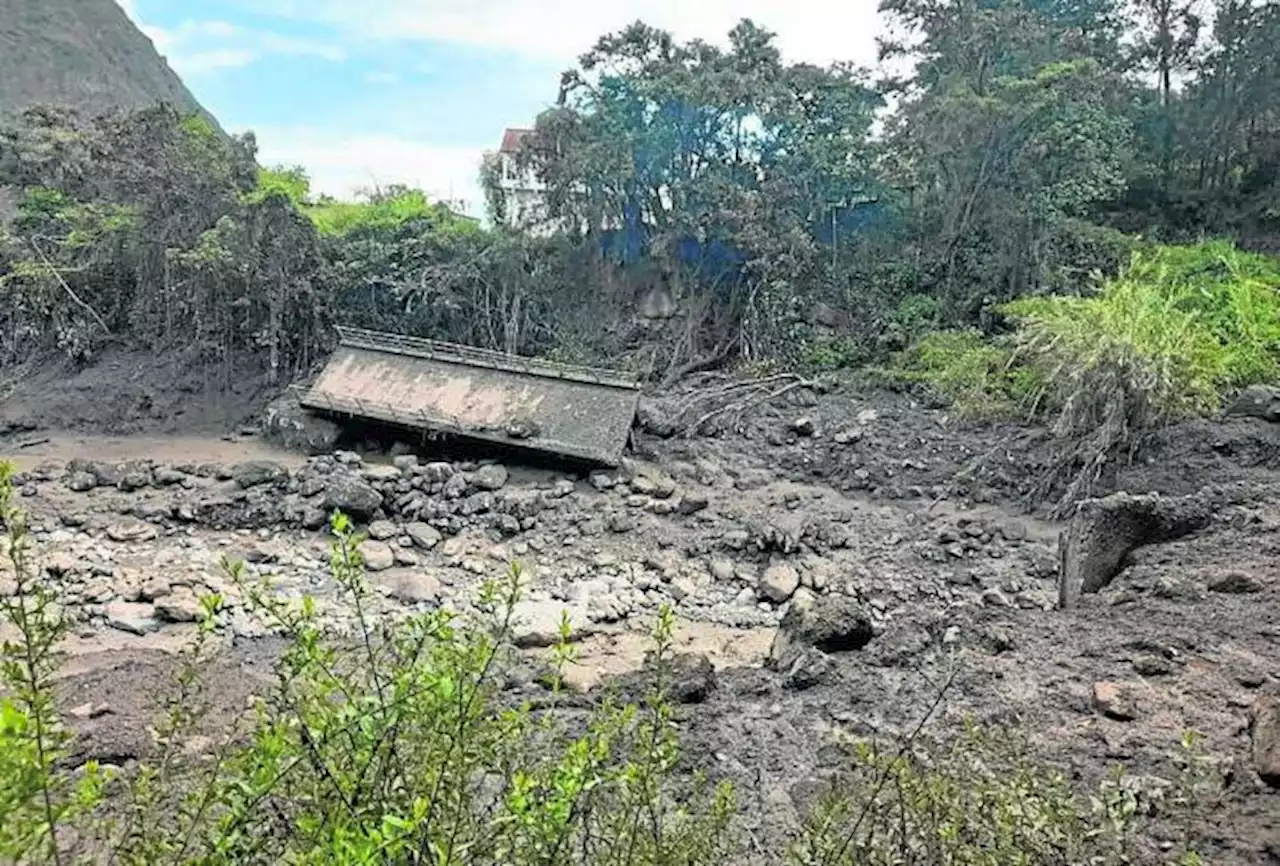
(444, 389)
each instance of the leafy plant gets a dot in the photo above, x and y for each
(978, 377)
(1166, 339)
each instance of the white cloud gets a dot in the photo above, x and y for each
(340, 164)
(195, 47)
(811, 30)
(198, 62)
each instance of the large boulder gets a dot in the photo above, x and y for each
(257, 472)
(1104, 531)
(287, 423)
(1257, 401)
(829, 623)
(352, 495)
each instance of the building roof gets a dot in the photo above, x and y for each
(511, 138)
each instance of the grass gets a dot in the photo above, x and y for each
(1179, 330)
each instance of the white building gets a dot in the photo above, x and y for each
(523, 195)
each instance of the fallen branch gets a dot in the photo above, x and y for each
(759, 393)
(58, 276)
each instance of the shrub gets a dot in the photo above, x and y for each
(976, 799)
(976, 376)
(1178, 329)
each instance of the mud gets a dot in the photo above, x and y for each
(924, 521)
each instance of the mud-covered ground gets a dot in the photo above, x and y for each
(925, 521)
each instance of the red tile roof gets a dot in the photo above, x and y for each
(511, 139)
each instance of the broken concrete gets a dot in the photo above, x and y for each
(1104, 531)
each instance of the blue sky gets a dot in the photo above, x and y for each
(364, 92)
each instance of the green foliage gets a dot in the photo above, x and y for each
(37, 798)
(977, 800)
(978, 377)
(292, 183)
(1167, 338)
(387, 211)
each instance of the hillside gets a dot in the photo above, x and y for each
(85, 54)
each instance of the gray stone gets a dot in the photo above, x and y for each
(804, 426)
(409, 585)
(378, 556)
(139, 619)
(424, 535)
(829, 623)
(537, 623)
(1257, 401)
(779, 582)
(1104, 531)
(182, 605)
(491, 477)
(130, 529)
(81, 482)
(381, 530)
(722, 569)
(1236, 583)
(286, 423)
(257, 472)
(353, 496)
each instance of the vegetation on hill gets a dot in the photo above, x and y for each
(1030, 152)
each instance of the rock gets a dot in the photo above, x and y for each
(1115, 700)
(692, 503)
(1264, 732)
(1236, 583)
(1257, 401)
(257, 472)
(62, 563)
(130, 529)
(722, 569)
(1104, 531)
(537, 623)
(409, 585)
(779, 582)
(829, 623)
(134, 479)
(491, 477)
(183, 605)
(167, 476)
(378, 556)
(81, 482)
(381, 473)
(424, 535)
(135, 618)
(353, 496)
(655, 416)
(803, 426)
(288, 424)
(381, 530)
(692, 678)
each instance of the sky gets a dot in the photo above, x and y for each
(366, 93)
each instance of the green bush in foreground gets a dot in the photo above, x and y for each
(395, 746)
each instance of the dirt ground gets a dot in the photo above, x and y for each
(878, 496)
